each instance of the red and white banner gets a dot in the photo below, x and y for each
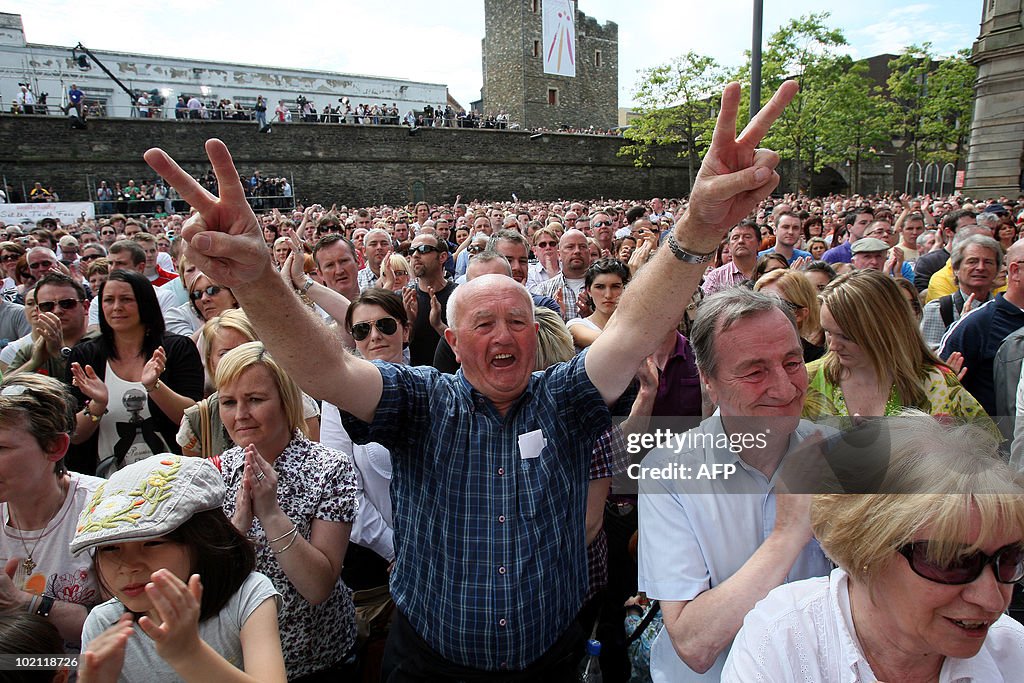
(559, 38)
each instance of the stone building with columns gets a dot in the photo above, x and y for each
(995, 158)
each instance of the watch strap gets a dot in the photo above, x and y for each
(684, 255)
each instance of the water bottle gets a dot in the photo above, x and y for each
(590, 667)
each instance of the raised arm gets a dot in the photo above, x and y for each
(225, 241)
(733, 179)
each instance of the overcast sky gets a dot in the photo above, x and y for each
(439, 42)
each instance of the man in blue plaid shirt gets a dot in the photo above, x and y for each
(490, 465)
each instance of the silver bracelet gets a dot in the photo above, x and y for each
(284, 535)
(684, 255)
(295, 535)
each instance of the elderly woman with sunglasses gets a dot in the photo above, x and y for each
(206, 300)
(926, 569)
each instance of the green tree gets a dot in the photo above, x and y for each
(856, 125)
(948, 107)
(806, 50)
(676, 103)
(907, 85)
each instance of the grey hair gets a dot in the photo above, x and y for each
(719, 312)
(956, 257)
(370, 232)
(966, 231)
(488, 256)
(41, 249)
(989, 220)
(508, 236)
(922, 239)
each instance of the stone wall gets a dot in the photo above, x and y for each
(514, 78)
(353, 165)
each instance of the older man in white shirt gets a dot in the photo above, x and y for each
(710, 548)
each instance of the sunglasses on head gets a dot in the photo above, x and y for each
(66, 304)
(423, 249)
(1007, 564)
(212, 290)
(361, 331)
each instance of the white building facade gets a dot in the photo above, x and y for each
(51, 69)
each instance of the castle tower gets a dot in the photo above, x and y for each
(513, 66)
(996, 153)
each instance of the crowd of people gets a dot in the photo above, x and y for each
(401, 443)
(343, 111)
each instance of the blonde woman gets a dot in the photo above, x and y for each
(201, 432)
(877, 362)
(284, 489)
(797, 292)
(926, 570)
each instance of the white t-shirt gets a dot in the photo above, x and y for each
(8, 353)
(373, 527)
(129, 406)
(68, 578)
(220, 632)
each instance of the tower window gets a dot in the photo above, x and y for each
(597, 58)
(535, 5)
(536, 48)
(553, 97)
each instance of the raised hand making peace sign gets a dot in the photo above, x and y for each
(224, 239)
(735, 175)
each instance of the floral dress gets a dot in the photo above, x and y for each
(314, 482)
(944, 396)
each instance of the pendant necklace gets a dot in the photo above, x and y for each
(28, 564)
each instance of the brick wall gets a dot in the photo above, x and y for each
(350, 165)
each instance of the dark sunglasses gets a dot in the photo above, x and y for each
(212, 290)
(423, 249)
(601, 224)
(361, 331)
(1007, 564)
(40, 264)
(66, 304)
(790, 305)
(543, 245)
(7, 258)
(330, 228)
(90, 257)
(107, 232)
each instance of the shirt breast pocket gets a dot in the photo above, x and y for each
(530, 479)
(542, 482)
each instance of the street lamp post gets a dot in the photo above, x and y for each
(755, 59)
